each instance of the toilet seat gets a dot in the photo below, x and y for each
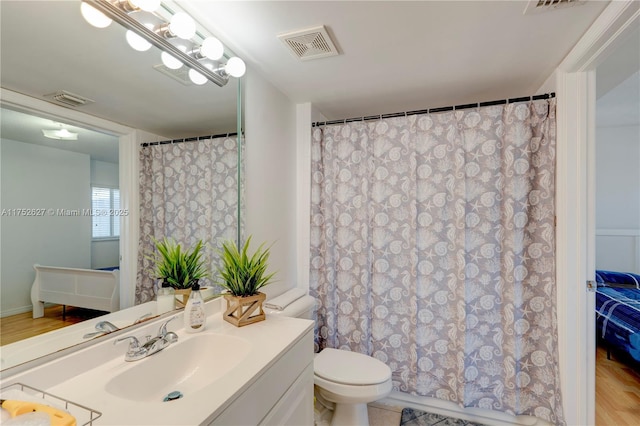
(350, 368)
(351, 394)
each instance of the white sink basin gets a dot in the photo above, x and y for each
(186, 366)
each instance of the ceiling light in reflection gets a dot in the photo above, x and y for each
(197, 78)
(136, 42)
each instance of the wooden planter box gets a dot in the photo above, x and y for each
(243, 311)
(182, 296)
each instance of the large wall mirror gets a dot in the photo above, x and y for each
(47, 47)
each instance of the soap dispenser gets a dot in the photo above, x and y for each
(194, 313)
(165, 298)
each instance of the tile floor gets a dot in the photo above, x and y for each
(389, 415)
(384, 415)
(420, 418)
(379, 415)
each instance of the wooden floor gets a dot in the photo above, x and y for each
(22, 326)
(617, 381)
(617, 390)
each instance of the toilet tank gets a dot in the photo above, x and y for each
(301, 308)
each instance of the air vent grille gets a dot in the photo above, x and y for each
(312, 43)
(539, 6)
(180, 75)
(69, 99)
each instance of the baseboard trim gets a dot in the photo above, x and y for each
(450, 409)
(16, 311)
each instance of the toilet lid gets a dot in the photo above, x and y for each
(350, 368)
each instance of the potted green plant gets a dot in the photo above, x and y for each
(181, 268)
(243, 275)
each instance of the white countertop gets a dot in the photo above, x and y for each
(81, 377)
(35, 347)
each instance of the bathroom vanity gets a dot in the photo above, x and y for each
(257, 374)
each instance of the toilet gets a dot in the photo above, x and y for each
(348, 380)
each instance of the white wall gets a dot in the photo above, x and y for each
(104, 174)
(618, 177)
(105, 253)
(36, 177)
(618, 198)
(270, 179)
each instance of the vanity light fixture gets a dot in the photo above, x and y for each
(180, 26)
(170, 61)
(146, 5)
(136, 42)
(212, 48)
(196, 77)
(235, 67)
(94, 17)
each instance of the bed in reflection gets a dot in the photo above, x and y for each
(82, 288)
(618, 311)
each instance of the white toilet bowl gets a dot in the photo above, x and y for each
(349, 380)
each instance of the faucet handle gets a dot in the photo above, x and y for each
(163, 328)
(106, 327)
(134, 344)
(142, 318)
(170, 337)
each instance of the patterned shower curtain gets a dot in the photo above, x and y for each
(432, 249)
(189, 192)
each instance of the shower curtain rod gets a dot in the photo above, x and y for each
(192, 139)
(433, 110)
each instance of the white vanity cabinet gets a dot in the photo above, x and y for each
(270, 383)
(282, 395)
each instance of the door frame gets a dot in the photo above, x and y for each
(575, 191)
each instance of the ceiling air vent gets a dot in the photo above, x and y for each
(539, 6)
(69, 99)
(181, 75)
(313, 43)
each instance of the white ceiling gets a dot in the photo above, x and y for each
(621, 105)
(395, 56)
(401, 55)
(618, 86)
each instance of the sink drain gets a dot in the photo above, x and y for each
(172, 395)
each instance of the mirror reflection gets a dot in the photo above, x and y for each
(131, 90)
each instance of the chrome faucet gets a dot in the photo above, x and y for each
(137, 351)
(102, 327)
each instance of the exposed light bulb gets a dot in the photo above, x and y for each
(212, 48)
(146, 5)
(170, 61)
(235, 67)
(136, 42)
(196, 77)
(94, 17)
(182, 25)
